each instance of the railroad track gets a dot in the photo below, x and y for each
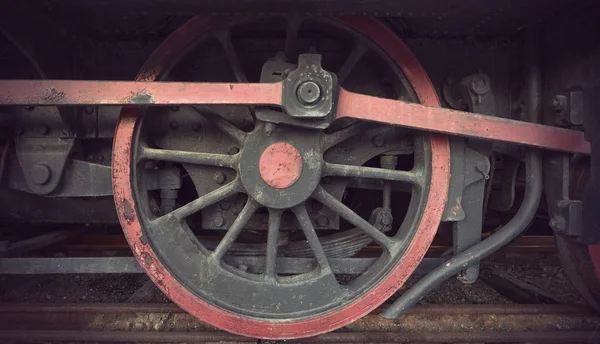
(165, 323)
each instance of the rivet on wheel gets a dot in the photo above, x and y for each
(219, 177)
(196, 126)
(174, 125)
(218, 221)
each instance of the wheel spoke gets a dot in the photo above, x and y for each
(236, 228)
(225, 126)
(311, 237)
(204, 201)
(291, 37)
(197, 158)
(272, 241)
(353, 171)
(232, 57)
(332, 203)
(357, 53)
(344, 134)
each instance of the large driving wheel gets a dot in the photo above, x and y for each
(261, 237)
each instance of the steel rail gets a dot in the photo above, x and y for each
(163, 323)
(352, 105)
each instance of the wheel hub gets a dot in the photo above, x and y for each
(280, 165)
(282, 169)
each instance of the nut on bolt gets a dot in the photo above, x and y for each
(308, 93)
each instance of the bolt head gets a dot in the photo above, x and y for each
(219, 177)
(322, 221)
(174, 125)
(196, 126)
(219, 221)
(40, 174)
(378, 140)
(233, 150)
(386, 218)
(308, 93)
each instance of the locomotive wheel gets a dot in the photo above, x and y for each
(581, 262)
(264, 303)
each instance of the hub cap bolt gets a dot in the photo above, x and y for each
(174, 125)
(219, 177)
(308, 93)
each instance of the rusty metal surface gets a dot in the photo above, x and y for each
(70, 92)
(428, 323)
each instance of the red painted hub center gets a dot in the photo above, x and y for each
(280, 165)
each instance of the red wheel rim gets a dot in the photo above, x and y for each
(436, 201)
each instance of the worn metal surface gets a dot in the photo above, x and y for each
(280, 165)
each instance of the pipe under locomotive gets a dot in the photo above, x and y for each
(280, 170)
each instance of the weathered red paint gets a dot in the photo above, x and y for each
(82, 92)
(454, 122)
(282, 328)
(358, 106)
(280, 165)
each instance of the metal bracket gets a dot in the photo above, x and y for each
(43, 161)
(470, 167)
(309, 91)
